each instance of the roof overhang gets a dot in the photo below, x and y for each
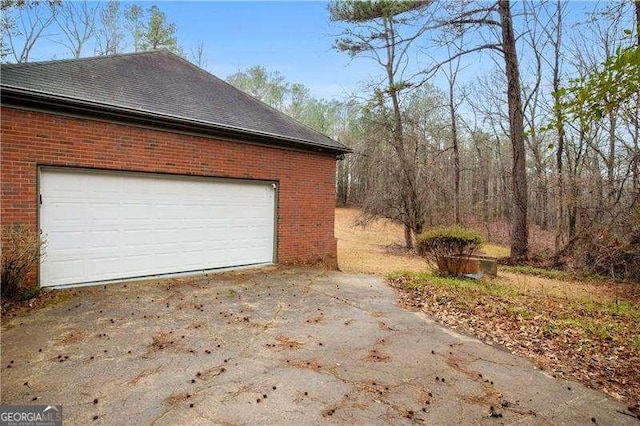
(27, 99)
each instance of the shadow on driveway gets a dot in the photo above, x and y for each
(271, 345)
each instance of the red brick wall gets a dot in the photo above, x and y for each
(306, 180)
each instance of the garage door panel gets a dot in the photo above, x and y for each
(166, 237)
(106, 226)
(217, 240)
(65, 213)
(243, 235)
(167, 263)
(259, 212)
(102, 266)
(192, 211)
(67, 269)
(244, 253)
(110, 185)
(66, 240)
(136, 235)
(167, 211)
(215, 254)
(136, 263)
(136, 211)
(192, 235)
(103, 239)
(67, 184)
(192, 248)
(103, 211)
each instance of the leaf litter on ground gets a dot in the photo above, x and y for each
(588, 334)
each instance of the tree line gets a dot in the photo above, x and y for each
(548, 135)
(84, 28)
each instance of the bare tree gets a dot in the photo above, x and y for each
(520, 235)
(197, 55)
(23, 24)
(76, 21)
(451, 74)
(110, 34)
(373, 32)
(475, 17)
(534, 111)
(134, 23)
(556, 41)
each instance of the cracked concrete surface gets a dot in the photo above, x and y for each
(271, 346)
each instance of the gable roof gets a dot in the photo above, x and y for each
(156, 88)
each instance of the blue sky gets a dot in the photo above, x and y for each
(294, 38)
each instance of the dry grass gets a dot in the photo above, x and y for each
(569, 289)
(366, 250)
(496, 251)
(378, 248)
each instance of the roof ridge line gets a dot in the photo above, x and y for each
(85, 58)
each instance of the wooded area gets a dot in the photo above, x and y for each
(520, 119)
(550, 135)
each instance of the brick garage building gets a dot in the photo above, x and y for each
(143, 164)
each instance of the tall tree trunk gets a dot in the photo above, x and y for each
(520, 232)
(408, 238)
(637, 4)
(414, 219)
(572, 208)
(542, 197)
(456, 153)
(342, 190)
(611, 160)
(560, 217)
(636, 154)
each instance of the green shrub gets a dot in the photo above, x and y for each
(439, 244)
(21, 249)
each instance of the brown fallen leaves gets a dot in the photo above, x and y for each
(593, 340)
(285, 342)
(375, 355)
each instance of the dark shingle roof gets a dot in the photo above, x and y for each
(163, 84)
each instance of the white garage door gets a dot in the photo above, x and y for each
(108, 226)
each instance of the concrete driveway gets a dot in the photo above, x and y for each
(272, 345)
